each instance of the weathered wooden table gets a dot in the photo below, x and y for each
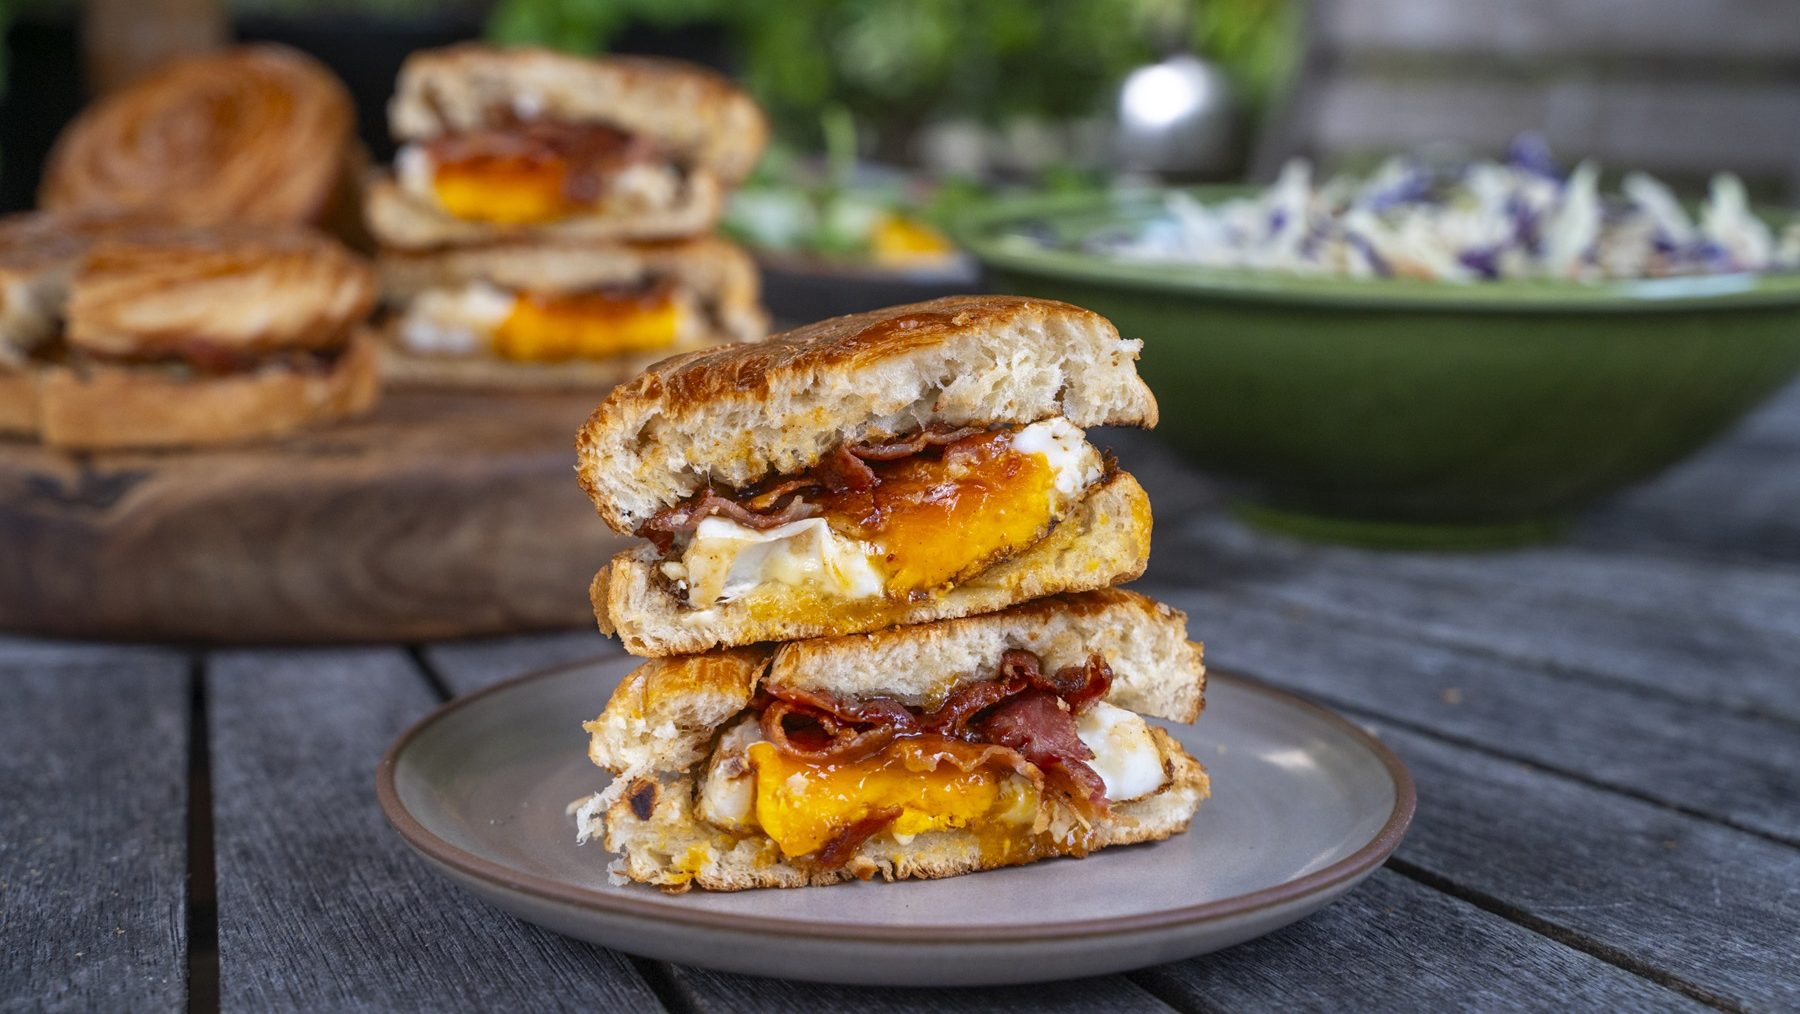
(1605, 733)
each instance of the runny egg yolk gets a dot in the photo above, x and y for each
(550, 328)
(503, 190)
(802, 804)
(939, 518)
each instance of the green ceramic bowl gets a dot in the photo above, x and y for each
(1404, 412)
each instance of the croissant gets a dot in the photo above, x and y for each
(259, 134)
(215, 297)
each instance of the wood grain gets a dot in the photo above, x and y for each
(93, 830)
(707, 991)
(443, 514)
(1736, 768)
(1710, 909)
(1394, 944)
(321, 906)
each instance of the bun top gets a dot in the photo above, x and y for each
(697, 115)
(733, 415)
(238, 290)
(258, 134)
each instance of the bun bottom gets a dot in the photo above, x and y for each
(1106, 541)
(126, 407)
(676, 850)
(19, 401)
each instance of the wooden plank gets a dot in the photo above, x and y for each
(93, 832)
(1535, 30)
(1394, 944)
(1732, 767)
(442, 514)
(1704, 908)
(321, 906)
(470, 665)
(705, 991)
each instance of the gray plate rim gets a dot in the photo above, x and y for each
(667, 909)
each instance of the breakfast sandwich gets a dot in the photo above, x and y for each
(915, 463)
(38, 254)
(259, 134)
(501, 143)
(562, 312)
(916, 752)
(180, 337)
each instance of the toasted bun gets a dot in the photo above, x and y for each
(1157, 671)
(1105, 541)
(18, 401)
(39, 252)
(247, 290)
(735, 415)
(663, 716)
(719, 274)
(258, 134)
(403, 220)
(700, 117)
(673, 847)
(117, 407)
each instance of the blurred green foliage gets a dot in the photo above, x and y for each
(899, 63)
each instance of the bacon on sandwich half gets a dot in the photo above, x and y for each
(923, 751)
(910, 464)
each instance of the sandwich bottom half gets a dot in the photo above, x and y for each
(920, 752)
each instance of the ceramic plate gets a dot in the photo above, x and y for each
(1304, 806)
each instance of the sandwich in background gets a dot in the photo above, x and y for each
(508, 143)
(257, 135)
(910, 464)
(559, 313)
(180, 337)
(922, 751)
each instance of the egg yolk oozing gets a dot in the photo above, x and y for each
(939, 518)
(504, 189)
(552, 328)
(803, 804)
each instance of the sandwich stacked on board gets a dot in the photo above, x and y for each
(877, 600)
(548, 218)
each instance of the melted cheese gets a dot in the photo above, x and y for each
(543, 327)
(927, 523)
(802, 805)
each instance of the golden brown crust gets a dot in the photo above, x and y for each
(1106, 541)
(664, 713)
(119, 407)
(18, 401)
(258, 134)
(735, 414)
(39, 252)
(247, 290)
(695, 113)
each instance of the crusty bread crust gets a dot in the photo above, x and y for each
(736, 415)
(663, 715)
(1105, 541)
(695, 113)
(18, 401)
(251, 290)
(401, 219)
(1157, 671)
(119, 407)
(674, 848)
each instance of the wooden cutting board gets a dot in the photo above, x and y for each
(442, 514)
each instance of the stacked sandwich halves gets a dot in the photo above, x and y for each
(548, 217)
(877, 597)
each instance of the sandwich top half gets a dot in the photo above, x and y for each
(922, 751)
(909, 464)
(132, 334)
(503, 143)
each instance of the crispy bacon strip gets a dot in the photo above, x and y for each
(893, 450)
(818, 727)
(687, 515)
(843, 470)
(1037, 724)
(952, 718)
(845, 843)
(1079, 685)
